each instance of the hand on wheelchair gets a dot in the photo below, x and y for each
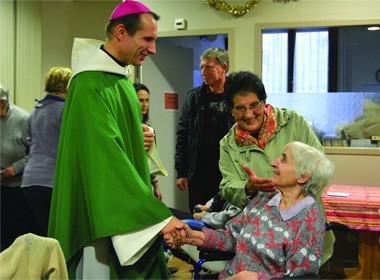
(199, 210)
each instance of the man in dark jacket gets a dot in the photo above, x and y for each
(203, 123)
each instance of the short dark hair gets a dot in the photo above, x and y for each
(131, 22)
(242, 83)
(138, 87)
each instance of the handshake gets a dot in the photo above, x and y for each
(177, 233)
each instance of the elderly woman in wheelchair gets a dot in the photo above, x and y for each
(280, 233)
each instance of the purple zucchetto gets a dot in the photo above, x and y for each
(129, 7)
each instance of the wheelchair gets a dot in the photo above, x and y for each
(214, 262)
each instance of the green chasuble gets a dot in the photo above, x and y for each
(102, 180)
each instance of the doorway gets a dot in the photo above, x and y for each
(199, 44)
(175, 69)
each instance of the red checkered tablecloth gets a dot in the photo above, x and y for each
(358, 210)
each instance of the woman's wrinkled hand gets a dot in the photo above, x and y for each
(256, 184)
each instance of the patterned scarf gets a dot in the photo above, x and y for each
(269, 126)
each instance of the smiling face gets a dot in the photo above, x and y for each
(143, 96)
(135, 48)
(250, 120)
(212, 73)
(284, 173)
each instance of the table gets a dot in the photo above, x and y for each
(358, 210)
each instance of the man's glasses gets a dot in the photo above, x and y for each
(254, 107)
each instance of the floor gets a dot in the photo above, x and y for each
(184, 269)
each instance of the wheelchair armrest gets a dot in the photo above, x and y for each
(215, 256)
(337, 226)
(195, 224)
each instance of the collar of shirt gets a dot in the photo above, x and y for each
(53, 97)
(209, 91)
(114, 58)
(292, 211)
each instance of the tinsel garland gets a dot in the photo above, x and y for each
(236, 11)
(239, 11)
(284, 1)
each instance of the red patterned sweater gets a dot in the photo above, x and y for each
(271, 242)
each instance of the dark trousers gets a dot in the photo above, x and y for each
(202, 190)
(16, 216)
(39, 201)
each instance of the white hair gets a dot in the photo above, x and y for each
(309, 159)
(4, 95)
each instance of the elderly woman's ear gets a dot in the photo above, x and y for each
(304, 178)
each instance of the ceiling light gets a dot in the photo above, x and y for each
(373, 28)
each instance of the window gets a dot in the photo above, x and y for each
(296, 60)
(335, 96)
(275, 61)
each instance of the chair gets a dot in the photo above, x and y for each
(33, 257)
(221, 257)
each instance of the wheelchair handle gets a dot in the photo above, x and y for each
(337, 226)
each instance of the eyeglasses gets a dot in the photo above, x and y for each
(254, 107)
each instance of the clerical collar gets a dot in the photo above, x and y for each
(114, 58)
(209, 91)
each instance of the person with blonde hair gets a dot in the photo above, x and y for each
(44, 128)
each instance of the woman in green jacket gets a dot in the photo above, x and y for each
(258, 137)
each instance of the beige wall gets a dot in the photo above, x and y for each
(355, 166)
(62, 21)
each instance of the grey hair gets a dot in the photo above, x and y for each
(309, 159)
(221, 56)
(4, 95)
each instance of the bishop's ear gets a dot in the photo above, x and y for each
(120, 31)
